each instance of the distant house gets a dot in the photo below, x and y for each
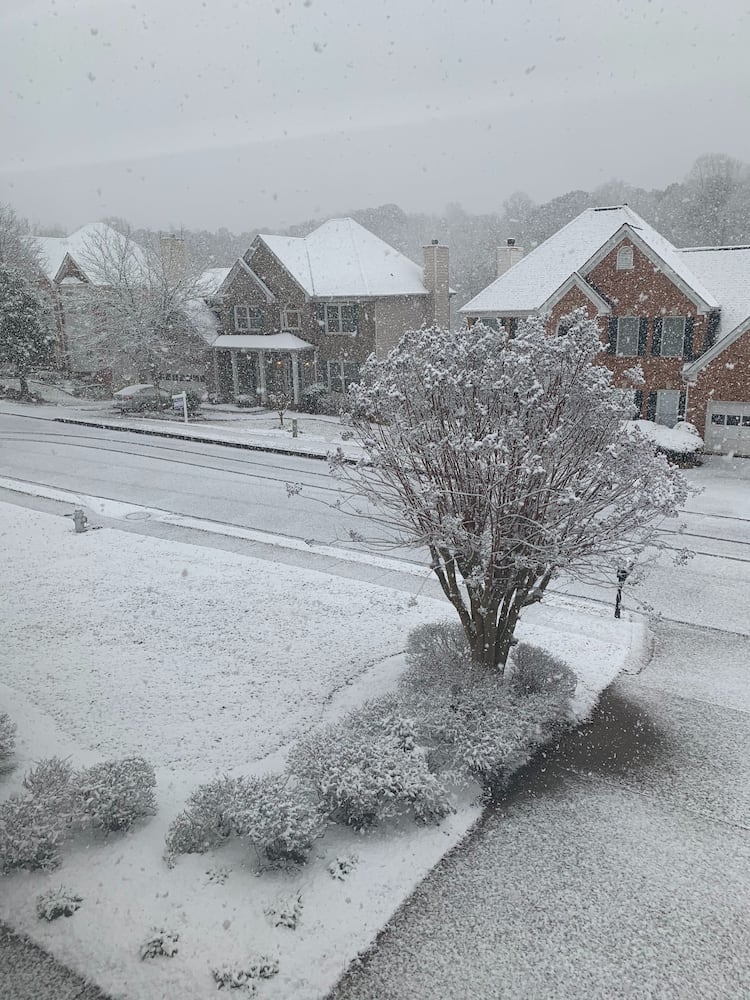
(682, 315)
(77, 288)
(302, 311)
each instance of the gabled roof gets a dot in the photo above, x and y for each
(528, 284)
(342, 259)
(726, 271)
(211, 280)
(80, 247)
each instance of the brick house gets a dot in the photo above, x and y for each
(299, 311)
(77, 290)
(682, 315)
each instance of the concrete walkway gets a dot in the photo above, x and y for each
(621, 867)
(28, 973)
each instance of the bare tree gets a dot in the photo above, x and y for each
(19, 251)
(509, 463)
(144, 298)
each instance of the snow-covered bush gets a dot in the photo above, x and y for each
(280, 820)
(114, 794)
(535, 671)
(436, 653)
(7, 737)
(51, 784)
(339, 868)
(30, 835)
(286, 911)
(364, 777)
(682, 444)
(208, 819)
(60, 902)
(245, 976)
(160, 942)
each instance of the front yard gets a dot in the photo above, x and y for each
(206, 663)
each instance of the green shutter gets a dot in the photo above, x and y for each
(711, 328)
(612, 334)
(681, 405)
(321, 315)
(638, 403)
(656, 340)
(687, 347)
(642, 335)
(651, 409)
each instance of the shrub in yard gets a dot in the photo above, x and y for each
(51, 784)
(194, 401)
(535, 671)
(245, 402)
(114, 794)
(160, 942)
(30, 835)
(280, 821)
(60, 902)
(286, 912)
(7, 737)
(246, 976)
(364, 777)
(437, 655)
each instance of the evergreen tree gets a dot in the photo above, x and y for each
(25, 342)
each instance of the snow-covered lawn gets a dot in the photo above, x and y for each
(209, 662)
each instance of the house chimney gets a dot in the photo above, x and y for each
(173, 256)
(507, 256)
(436, 283)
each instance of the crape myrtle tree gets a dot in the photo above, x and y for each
(25, 337)
(509, 462)
(144, 300)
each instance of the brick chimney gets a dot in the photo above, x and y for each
(436, 282)
(173, 256)
(507, 256)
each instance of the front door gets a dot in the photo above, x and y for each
(246, 374)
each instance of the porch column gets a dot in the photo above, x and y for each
(215, 368)
(262, 375)
(235, 374)
(295, 377)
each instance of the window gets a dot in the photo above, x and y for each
(564, 326)
(512, 326)
(672, 336)
(746, 421)
(667, 407)
(625, 259)
(291, 319)
(338, 318)
(627, 336)
(248, 319)
(733, 420)
(341, 374)
(718, 418)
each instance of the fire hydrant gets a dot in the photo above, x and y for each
(80, 521)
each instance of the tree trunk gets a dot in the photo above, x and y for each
(24, 386)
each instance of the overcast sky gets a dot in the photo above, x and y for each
(245, 113)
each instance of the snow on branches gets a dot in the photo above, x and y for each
(508, 461)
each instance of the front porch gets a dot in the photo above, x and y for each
(259, 366)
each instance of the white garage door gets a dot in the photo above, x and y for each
(728, 428)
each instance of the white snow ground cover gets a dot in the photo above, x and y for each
(683, 438)
(208, 662)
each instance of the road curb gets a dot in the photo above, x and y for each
(197, 438)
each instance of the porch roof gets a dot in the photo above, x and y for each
(261, 342)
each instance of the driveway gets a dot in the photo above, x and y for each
(621, 868)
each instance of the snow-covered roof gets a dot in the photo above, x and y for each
(203, 320)
(259, 342)
(726, 271)
(211, 280)
(527, 285)
(343, 259)
(81, 246)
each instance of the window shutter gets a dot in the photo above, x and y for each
(687, 348)
(656, 341)
(651, 410)
(321, 314)
(712, 327)
(638, 403)
(681, 405)
(612, 344)
(642, 335)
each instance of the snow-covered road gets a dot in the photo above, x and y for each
(621, 870)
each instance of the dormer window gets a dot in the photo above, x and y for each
(625, 259)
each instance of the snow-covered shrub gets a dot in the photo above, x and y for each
(30, 834)
(436, 654)
(286, 912)
(7, 736)
(51, 784)
(246, 976)
(341, 867)
(535, 671)
(280, 820)
(209, 818)
(364, 777)
(160, 942)
(114, 794)
(60, 902)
